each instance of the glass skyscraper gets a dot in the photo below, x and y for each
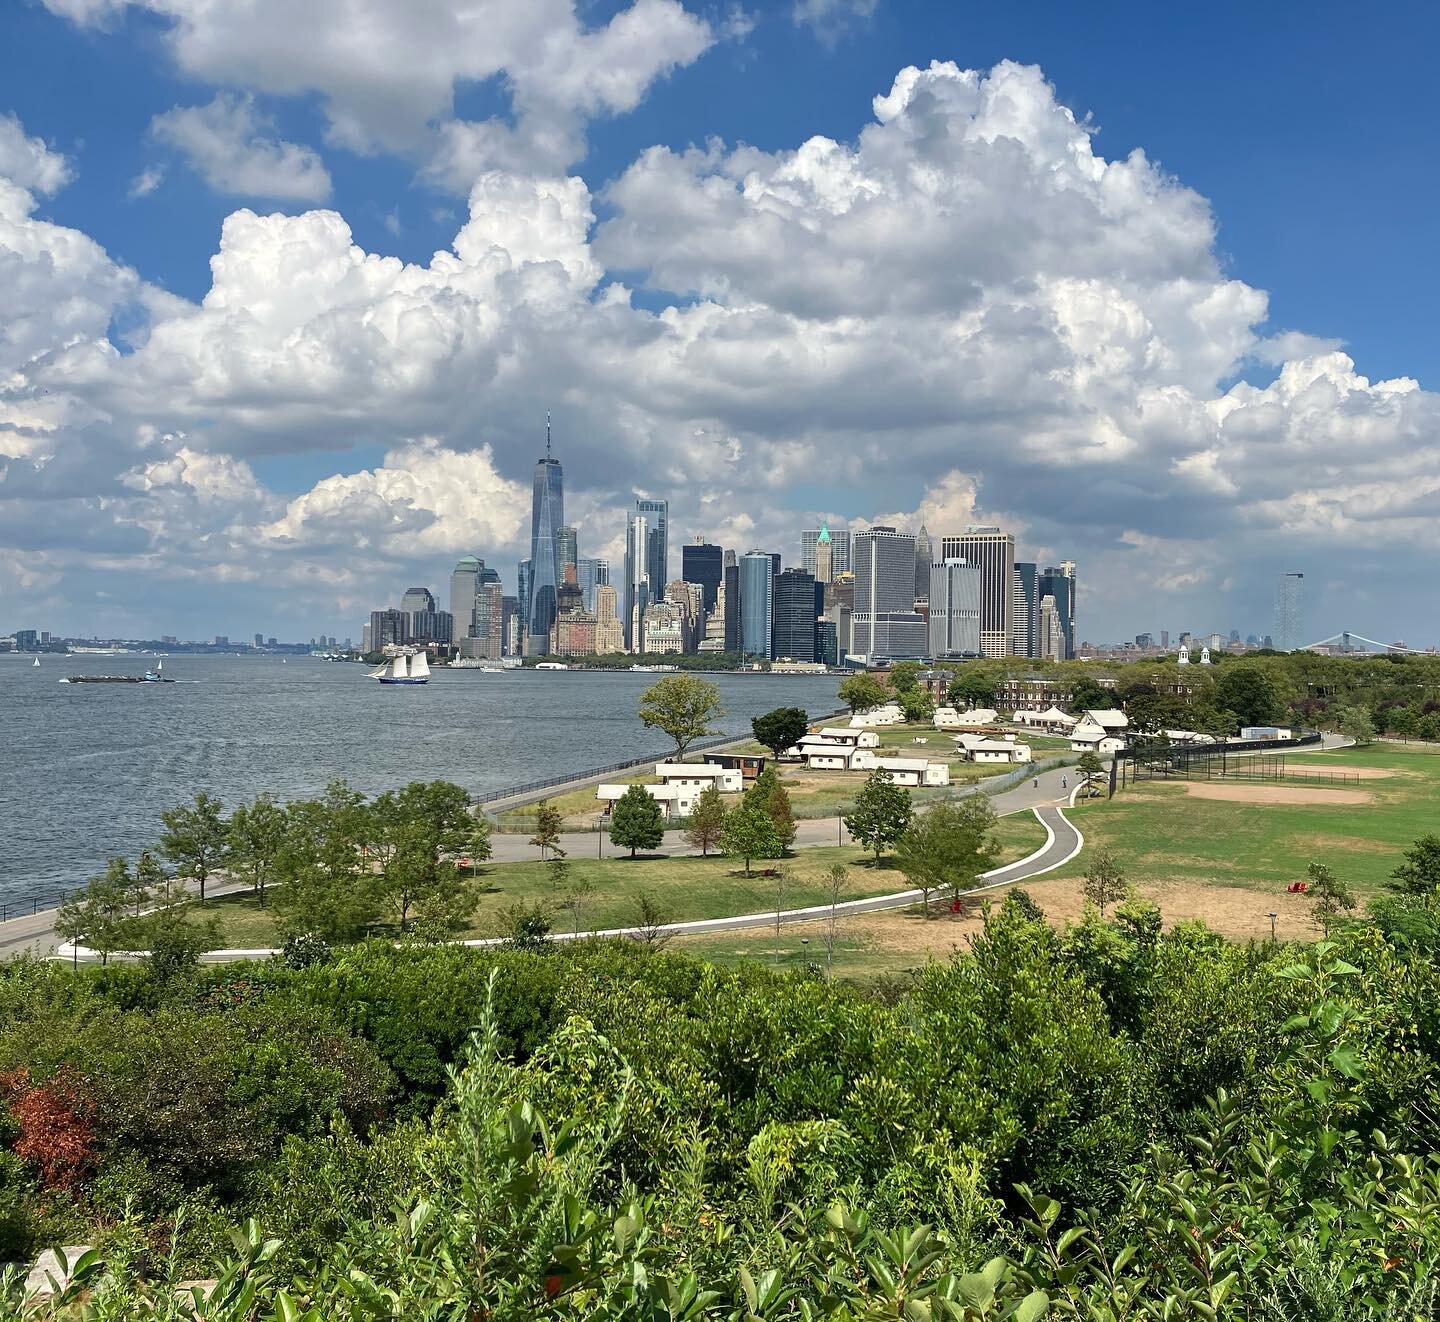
(547, 516)
(757, 580)
(656, 514)
(703, 563)
(1289, 612)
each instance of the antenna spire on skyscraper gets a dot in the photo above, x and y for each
(547, 433)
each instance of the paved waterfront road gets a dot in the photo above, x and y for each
(36, 933)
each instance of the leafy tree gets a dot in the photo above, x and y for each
(1090, 765)
(569, 891)
(548, 821)
(527, 927)
(173, 941)
(749, 833)
(1104, 882)
(98, 916)
(780, 729)
(917, 705)
(1419, 874)
(707, 820)
(330, 889)
(649, 920)
(768, 793)
(424, 827)
(1157, 711)
(254, 840)
(1250, 693)
(1332, 897)
(881, 813)
(636, 821)
(1088, 694)
(479, 846)
(971, 689)
(837, 882)
(862, 692)
(1355, 723)
(904, 676)
(949, 844)
(195, 839)
(683, 706)
(147, 882)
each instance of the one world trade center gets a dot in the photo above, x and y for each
(547, 513)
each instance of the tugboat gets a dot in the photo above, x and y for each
(404, 670)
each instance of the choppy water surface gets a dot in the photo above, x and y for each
(87, 768)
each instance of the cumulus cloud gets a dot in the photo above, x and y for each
(226, 143)
(28, 162)
(387, 73)
(965, 314)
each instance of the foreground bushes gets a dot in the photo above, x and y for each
(1106, 1122)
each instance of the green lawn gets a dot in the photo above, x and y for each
(1159, 832)
(687, 888)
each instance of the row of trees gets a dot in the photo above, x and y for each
(334, 866)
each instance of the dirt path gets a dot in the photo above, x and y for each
(1272, 793)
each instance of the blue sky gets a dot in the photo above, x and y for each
(1307, 133)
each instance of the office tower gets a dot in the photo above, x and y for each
(490, 621)
(840, 549)
(922, 562)
(1058, 584)
(388, 628)
(637, 578)
(757, 580)
(827, 644)
(574, 633)
(824, 569)
(954, 620)
(884, 624)
(609, 636)
(566, 551)
(703, 563)
(590, 574)
(523, 598)
(690, 599)
(1165, 638)
(1067, 567)
(417, 599)
(259, 640)
(657, 546)
(547, 514)
(662, 629)
(732, 603)
(1289, 612)
(509, 625)
(1051, 643)
(994, 552)
(794, 610)
(775, 563)
(365, 644)
(568, 596)
(1025, 612)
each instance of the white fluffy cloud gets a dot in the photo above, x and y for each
(28, 162)
(387, 73)
(965, 313)
(226, 142)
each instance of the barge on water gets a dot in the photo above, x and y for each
(149, 677)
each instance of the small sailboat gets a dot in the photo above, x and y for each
(404, 670)
(36, 666)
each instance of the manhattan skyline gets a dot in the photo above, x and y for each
(275, 353)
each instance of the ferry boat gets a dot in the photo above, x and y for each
(404, 670)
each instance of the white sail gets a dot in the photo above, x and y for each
(159, 666)
(398, 669)
(37, 663)
(420, 666)
(379, 672)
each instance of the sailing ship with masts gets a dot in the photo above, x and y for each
(404, 669)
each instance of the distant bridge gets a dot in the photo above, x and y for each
(1346, 641)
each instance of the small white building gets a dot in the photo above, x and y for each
(887, 714)
(986, 748)
(1053, 720)
(680, 787)
(1266, 732)
(914, 771)
(697, 775)
(1100, 731)
(947, 718)
(860, 738)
